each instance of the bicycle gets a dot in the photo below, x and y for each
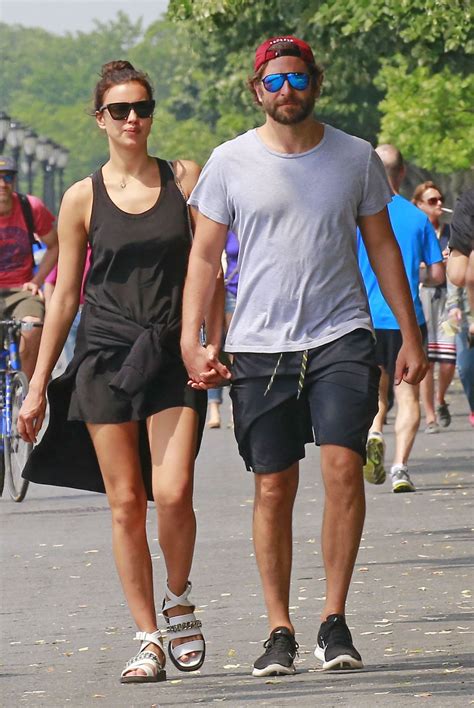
(14, 451)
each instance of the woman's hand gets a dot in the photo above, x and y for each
(31, 415)
(203, 366)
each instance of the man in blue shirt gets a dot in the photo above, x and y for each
(418, 244)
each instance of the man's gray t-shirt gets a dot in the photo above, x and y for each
(295, 219)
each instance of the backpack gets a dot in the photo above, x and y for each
(29, 221)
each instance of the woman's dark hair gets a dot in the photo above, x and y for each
(119, 72)
(315, 71)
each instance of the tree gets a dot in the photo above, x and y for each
(362, 42)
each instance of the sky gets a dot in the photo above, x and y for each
(61, 16)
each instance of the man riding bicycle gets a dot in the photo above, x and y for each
(22, 219)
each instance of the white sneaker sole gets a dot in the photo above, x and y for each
(275, 670)
(343, 661)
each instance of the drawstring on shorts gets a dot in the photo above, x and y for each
(304, 364)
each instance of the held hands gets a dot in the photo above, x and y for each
(203, 366)
(33, 288)
(412, 364)
(31, 416)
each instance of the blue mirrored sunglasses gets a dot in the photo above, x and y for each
(274, 82)
(8, 177)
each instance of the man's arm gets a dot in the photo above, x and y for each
(47, 264)
(435, 274)
(457, 267)
(202, 364)
(386, 261)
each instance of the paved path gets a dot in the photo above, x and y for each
(66, 632)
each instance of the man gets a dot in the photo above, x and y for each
(418, 244)
(293, 190)
(461, 274)
(20, 294)
(461, 244)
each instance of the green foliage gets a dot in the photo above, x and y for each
(361, 44)
(420, 105)
(395, 68)
(49, 79)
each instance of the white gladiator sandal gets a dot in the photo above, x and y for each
(183, 626)
(145, 660)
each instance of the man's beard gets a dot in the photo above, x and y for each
(298, 113)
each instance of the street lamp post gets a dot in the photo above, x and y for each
(51, 171)
(44, 150)
(15, 139)
(15, 142)
(30, 140)
(4, 128)
(61, 162)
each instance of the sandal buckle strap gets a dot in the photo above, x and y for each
(150, 637)
(144, 655)
(182, 626)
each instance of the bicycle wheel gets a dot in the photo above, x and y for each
(2, 471)
(16, 449)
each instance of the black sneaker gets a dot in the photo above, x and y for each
(280, 651)
(335, 648)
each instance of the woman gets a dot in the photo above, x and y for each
(122, 417)
(441, 345)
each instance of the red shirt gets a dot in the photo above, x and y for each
(52, 276)
(16, 265)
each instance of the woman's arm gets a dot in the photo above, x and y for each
(72, 232)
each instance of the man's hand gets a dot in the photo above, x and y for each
(34, 289)
(203, 366)
(412, 364)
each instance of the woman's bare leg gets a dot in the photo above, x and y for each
(116, 446)
(173, 438)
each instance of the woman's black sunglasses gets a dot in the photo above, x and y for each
(121, 111)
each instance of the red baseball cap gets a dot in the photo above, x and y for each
(296, 48)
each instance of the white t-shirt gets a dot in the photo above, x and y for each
(295, 218)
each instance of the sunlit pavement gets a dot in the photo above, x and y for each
(66, 633)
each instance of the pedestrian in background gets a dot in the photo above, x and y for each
(231, 281)
(23, 218)
(441, 342)
(122, 417)
(461, 304)
(418, 244)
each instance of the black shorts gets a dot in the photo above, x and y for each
(337, 404)
(388, 344)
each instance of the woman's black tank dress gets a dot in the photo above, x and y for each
(127, 363)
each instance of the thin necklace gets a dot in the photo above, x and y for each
(123, 184)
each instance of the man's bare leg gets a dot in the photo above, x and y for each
(343, 521)
(379, 420)
(374, 469)
(407, 423)
(273, 540)
(29, 347)
(427, 395)
(407, 420)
